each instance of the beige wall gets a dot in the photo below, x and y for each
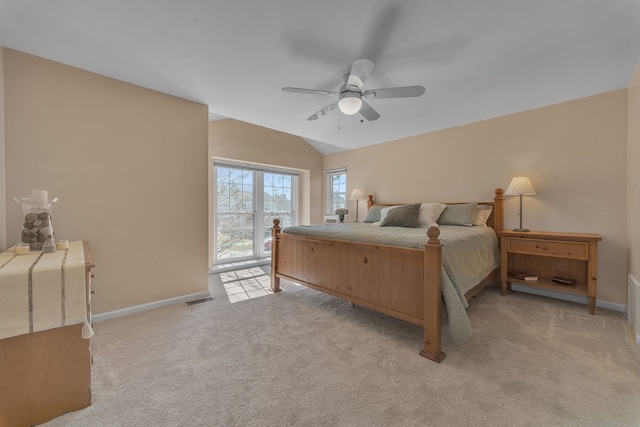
(633, 177)
(575, 154)
(235, 140)
(3, 204)
(129, 166)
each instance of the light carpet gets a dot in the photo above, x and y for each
(302, 358)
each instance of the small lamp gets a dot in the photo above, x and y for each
(357, 195)
(520, 186)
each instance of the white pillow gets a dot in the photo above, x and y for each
(482, 215)
(429, 213)
(385, 211)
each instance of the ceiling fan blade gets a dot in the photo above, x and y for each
(360, 71)
(324, 111)
(309, 91)
(368, 112)
(394, 92)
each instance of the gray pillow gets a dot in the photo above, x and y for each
(373, 214)
(462, 214)
(403, 216)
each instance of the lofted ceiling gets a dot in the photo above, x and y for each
(476, 59)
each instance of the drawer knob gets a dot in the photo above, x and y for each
(366, 260)
(544, 248)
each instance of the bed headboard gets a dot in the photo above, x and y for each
(495, 221)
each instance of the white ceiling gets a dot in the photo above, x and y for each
(476, 59)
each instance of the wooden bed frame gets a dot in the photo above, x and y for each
(362, 273)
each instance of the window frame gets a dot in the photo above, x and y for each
(257, 208)
(330, 206)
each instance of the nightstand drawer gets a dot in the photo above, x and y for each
(574, 250)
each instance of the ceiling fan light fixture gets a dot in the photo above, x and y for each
(350, 103)
(350, 95)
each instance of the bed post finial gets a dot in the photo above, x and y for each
(498, 210)
(369, 201)
(432, 233)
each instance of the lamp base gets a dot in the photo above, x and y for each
(522, 230)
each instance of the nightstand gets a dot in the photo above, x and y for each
(548, 254)
(333, 219)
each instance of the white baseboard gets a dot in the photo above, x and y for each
(568, 297)
(633, 300)
(156, 304)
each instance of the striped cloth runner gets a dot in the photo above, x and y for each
(42, 291)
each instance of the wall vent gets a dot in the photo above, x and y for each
(198, 301)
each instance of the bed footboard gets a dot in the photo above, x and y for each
(401, 282)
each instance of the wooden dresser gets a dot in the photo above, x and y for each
(46, 373)
(546, 254)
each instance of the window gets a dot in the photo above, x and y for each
(247, 200)
(336, 190)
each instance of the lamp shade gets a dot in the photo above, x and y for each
(357, 194)
(520, 185)
(350, 103)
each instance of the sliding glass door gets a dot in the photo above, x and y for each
(234, 216)
(247, 200)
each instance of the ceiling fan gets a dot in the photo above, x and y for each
(351, 96)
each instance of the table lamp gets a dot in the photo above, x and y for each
(357, 195)
(520, 186)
